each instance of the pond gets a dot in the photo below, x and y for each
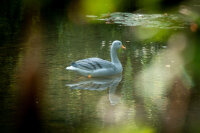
(138, 100)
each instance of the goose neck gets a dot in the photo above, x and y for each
(114, 57)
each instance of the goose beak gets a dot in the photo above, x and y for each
(123, 47)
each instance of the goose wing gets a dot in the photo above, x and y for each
(92, 64)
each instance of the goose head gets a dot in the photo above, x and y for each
(117, 44)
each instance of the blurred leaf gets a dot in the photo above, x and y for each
(98, 6)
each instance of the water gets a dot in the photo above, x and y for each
(76, 103)
(137, 100)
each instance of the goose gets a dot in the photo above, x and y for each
(96, 67)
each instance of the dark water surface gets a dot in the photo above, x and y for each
(138, 100)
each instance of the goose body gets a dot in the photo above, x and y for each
(96, 67)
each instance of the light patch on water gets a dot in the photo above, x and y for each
(114, 114)
(91, 16)
(163, 21)
(153, 83)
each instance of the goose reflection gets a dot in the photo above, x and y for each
(100, 84)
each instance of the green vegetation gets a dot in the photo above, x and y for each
(159, 90)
